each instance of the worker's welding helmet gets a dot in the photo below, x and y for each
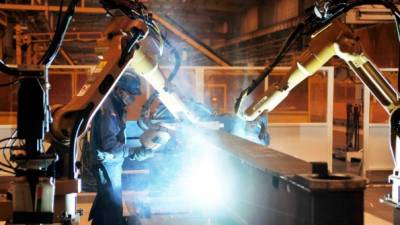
(130, 83)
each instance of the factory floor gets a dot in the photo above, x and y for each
(376, 213)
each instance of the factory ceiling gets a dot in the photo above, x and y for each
(206, 32)
(209, 22)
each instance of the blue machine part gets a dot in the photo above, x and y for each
(255, 131)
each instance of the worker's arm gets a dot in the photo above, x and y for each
(110, 141)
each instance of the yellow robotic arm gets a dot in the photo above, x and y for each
(336, 39)
(91, 96)
(147, 67)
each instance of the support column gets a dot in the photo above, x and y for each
(329, 111)
(199, 72)
(18, 42)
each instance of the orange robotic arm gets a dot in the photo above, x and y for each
(91, 96)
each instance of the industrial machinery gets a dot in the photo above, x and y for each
(35, 199)
(33, 189)
(329, 38)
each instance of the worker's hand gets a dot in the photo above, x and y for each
(154, 138)
(140, 153)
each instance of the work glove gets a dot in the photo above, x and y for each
(151, 140)
(154, 138)
(140, 153)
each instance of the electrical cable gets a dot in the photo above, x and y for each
(9, 145)
(73, 140)
(311, 24)
(136, 37)
(289, 42)
(5, 165)
(72, 153)
(6, 139)
(7, 171)
(8, 70)
(55, 45)
(59, 15)
(8, 165)
(144, 121)
(9, 83)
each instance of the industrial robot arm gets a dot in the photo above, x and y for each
(123, 52)
(337, 39)
(125, 36)
(91, 96)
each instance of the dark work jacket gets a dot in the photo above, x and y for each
(108, 131)
(109, 148)
(108, 140)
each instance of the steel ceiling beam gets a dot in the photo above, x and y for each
(43, 8)
(260, 32)
(97, 10)
(201, 47)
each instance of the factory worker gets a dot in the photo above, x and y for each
(109, 149)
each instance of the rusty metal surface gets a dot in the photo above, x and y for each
(258, 156)
(5, 209)
(396, 216)
(5, 183)
(268, 190)
(334, 182)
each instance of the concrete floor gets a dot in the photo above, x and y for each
(376, 213)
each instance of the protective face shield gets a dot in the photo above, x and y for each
(126, 98)
(128, 87)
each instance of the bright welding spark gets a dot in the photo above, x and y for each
(204, 185)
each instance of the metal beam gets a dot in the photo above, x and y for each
(195, 44)
(14, 7)
(369, 14)
(97, 10)
(258, 33)
(67, 57)
(192, 6)
(3, 19)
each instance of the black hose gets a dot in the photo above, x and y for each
(79, 123)
(72, 151)
(52, 51)
(7, 171)
(178, 61)
(59, 14)
(6, 166)
(137, 36)
(8, 83)
(310, 25)
(8, 70)
(143, 121)
(6, 139)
